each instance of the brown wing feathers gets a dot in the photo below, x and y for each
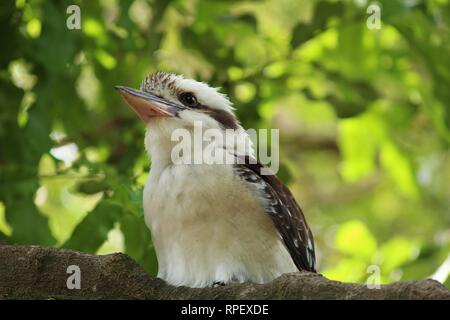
(286, 214)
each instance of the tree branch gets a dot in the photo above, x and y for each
(41, 273)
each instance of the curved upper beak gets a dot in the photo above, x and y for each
(147, 105)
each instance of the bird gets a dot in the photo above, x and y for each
(213, 224)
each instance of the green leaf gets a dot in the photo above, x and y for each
(323, 12)
(396, 252)
(347, 270)
(138, 242)
(359, 138)
(355, 239)
(129, 198)
(28, 224)
(400, 169)
(92, 186)
(4, 239)
(90, 234)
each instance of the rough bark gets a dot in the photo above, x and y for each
(33, 272)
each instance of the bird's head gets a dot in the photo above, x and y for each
(166, 102)
(168, 97)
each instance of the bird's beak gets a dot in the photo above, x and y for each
(147, 105)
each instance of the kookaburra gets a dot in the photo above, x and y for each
(213, 223)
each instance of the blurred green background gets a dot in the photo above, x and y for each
(364, 120)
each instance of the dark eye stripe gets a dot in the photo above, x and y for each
(226, 119)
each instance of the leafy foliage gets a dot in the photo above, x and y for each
(364, 119)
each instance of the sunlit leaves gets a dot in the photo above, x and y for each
(105, 59)
(235, 73)
(21, 75)
(88, 87)
(362, 139)
(399, 168)
(398, 251)
(362, 253)
(347, 270)
(90, 233)
(5, 228)
(355, 239)
(251, 51)
(276, 69)
(34, 28)
(356, 54)
(358, 139)
(94, 29)
(323, 12)
(245, 92)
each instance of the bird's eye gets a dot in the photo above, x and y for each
(189, 100)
